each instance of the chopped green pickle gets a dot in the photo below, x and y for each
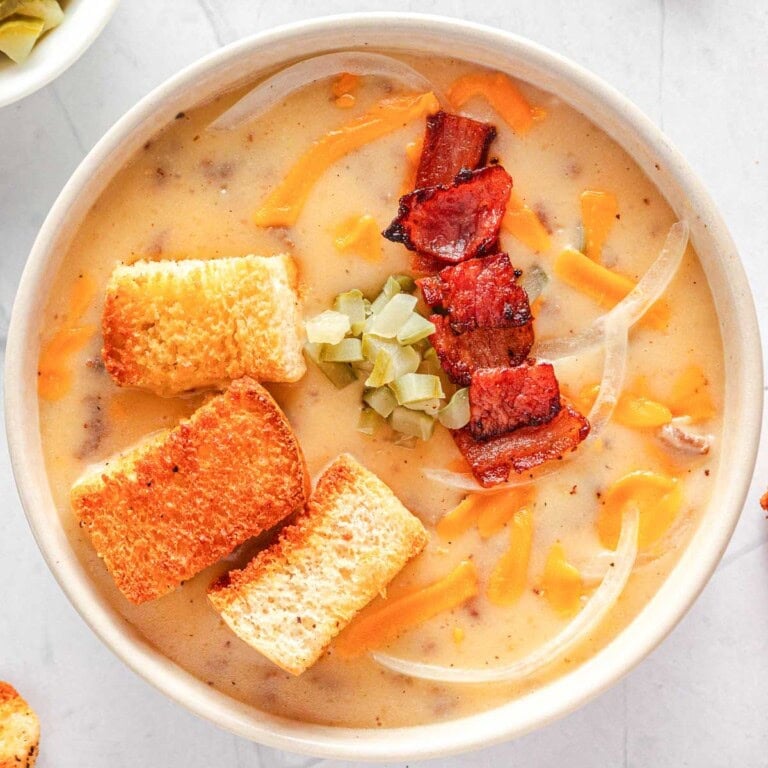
(416, 387)
(415, 329)
(391, 288)
(369, 421)
(414, 423)
(406, 282)
(23, 22)
(393, 316)
(339, 374)
(328, 327)
(346, 351)
(386, 342)
(392, 363)
(381, 400)
(534, 281)
(352, 304)
(18, 36)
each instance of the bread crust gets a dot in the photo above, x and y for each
(184, 499)
(294, 597)
(19, 730)
(174, 326)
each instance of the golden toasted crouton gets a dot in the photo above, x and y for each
(19, 730)
(185, 498)
(172, 326)
(293, 598)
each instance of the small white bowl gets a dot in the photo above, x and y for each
(607, 109)
(57, 50)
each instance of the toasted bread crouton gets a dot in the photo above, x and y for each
(19, 730)
(172, 326)
(293, 598)
(185, 498)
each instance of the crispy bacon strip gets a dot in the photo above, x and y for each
(504, 399)
(479, 293)
(462, 354)
(454, 223)
(452, 143)
(525, 448)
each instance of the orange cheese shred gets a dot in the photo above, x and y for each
(561, 583)
(284, 204)
(658, 498)
(501, 93)
(385, 622)
(523, 224)
(598, 215)
(360, 235)
(690, 395)
(603, 285)
(510, 574)
(499, 508)
(461, 518)
(54, 373)
(634, 410)
(413, 151)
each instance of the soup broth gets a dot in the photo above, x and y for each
(191, 193)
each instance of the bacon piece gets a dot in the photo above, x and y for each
(457, 222)
(504, 399)
(525, 448)
(425, 265)
(452, 143)
(462, 354)
(479, 293)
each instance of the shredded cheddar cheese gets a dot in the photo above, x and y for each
(510, 575)
(501, 93)
(523, 224)
(387, 620)
(658, 497)
(359, 235)
(284, 204)
(499, 508)
(603, 285)
(54, 373)
(461, 518)
(413, 151)
(690, 395)
(598, 215)
(561, 583)
(632, 409)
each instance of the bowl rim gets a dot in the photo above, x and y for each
(61, 58)
(545, 704)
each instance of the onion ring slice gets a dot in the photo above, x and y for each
(272, 91)
(632, 307)
(585, 622)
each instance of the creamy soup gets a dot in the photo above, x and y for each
(192, 192)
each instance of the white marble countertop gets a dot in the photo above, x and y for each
(698, 68)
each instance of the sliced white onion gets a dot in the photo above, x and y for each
(632, 307)
(615, 347)
(578, 630)
(274, 90)
(594, 569)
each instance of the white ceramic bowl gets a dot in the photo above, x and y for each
(616, 116)
(58, 49)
